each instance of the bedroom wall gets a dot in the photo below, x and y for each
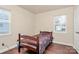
(44, 22)
(21, 22)
(26, 22)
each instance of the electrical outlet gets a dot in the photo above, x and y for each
(3, 44)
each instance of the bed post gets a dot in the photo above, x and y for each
(37, 45)
(19, 43)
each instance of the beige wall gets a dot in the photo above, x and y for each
(25, 22)
(22, 22)
(44, 22)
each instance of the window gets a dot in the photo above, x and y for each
(4, 22)
(60, 23)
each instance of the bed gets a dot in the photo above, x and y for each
(37, 43)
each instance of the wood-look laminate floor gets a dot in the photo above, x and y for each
(51, 49)
(60, 49)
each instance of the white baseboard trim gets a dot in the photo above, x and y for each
(6, 49)
(76, 49)
(62, 43)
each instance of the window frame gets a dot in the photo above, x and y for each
(8, 21)
(54, 23)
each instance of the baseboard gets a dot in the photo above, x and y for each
(76, 49)
(6, 49)
(63, 43)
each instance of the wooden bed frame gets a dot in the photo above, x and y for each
(30, 43)
(36, 43)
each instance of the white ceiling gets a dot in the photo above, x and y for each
(43, 8)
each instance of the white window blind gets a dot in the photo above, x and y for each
(60, 23)
(5, 22)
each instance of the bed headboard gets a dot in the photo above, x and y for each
(46, 32)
